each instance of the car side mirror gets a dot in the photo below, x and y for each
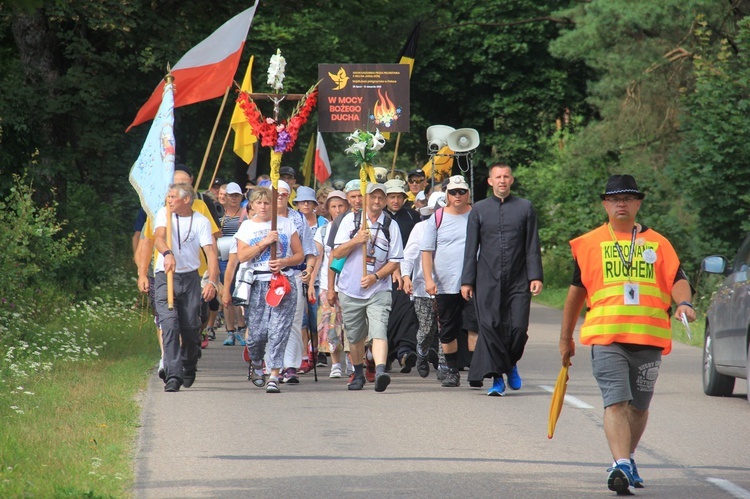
(714, 265)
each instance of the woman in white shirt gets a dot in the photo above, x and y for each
(271, 325)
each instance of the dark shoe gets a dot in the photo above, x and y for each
(162, 371)
(452, 379)
(382, 381)
(620, 479)
(211, 332)
(514, 379)
(172, 385)
(442, 372)
(433, 357)
(357, 383)
(188, 378)
(423, 366)
(476, 384)
(407, 361)
(322, 361)
(290, 376)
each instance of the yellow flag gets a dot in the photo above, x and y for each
(307, 165)
(243, 132)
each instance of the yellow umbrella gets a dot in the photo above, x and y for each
(558, 396)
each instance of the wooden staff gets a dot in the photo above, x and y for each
(221, 154)
(170, 274)
(395, 154)
(211, 139)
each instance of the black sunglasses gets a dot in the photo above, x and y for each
(457, 192)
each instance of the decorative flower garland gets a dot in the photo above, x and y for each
(280, 135)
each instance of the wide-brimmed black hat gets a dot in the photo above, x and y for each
(622, 184)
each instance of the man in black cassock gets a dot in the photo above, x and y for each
(502, 269)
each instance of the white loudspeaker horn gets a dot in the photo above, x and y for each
(437, 136)
(463, 140)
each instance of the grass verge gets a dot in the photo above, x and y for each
(68, 399)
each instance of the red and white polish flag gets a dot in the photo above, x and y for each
(207, 69)
(322, 164)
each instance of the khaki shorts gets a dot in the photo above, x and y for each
(366, 315)
(626, 373)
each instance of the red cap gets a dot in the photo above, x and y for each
(278, 289)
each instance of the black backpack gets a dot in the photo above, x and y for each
(386, 226)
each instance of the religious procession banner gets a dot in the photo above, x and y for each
(363, 97)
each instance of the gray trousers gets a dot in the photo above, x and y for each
(182, 322)
(269, 328)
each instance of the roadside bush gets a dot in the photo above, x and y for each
(34, 245)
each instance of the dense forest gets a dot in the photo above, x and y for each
(567, 92)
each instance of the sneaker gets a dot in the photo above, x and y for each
(352, 375)
(442, 372)
(172, 385)
(370, 370)
(162, 372)
(188, 378)
(211, 333)
(407, 361)
(273, 386)
(637, 480)
(476, 384)
(357, 383)
(305, 367)
(322, 361)
(498, 388)
(433, 357)
(229, 342)
(335, 372)
(452, 379)
(240, 338)
(204, 340)
(290, 376)
(382, 381)
(514, 379)
(423, 366)
(620, 479)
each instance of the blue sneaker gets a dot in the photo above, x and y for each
(620, 479)
(514, 379)
(498, 388)
(637, 480)
(240, 338)
(229, 342)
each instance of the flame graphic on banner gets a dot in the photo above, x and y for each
(385, 112)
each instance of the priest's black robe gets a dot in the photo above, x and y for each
(502, 257)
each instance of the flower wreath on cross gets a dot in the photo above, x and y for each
(278, 134)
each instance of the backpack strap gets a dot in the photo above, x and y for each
(438, 217)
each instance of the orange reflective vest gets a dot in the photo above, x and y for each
(642, 318)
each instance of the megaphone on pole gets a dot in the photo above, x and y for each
(463, 140)
(437, 137)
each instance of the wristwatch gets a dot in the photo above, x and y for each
(168, 252)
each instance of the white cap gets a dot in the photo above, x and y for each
(437, 200)
(233, 188)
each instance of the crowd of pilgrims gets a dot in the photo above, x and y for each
(363, 313)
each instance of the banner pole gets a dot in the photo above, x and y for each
(211, 139)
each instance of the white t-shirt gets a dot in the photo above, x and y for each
(379, 253)
(251, 232)
(412, 264)
(189, 235)
(448, 243)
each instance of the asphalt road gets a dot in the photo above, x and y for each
(225, 438)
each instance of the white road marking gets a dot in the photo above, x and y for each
(730, 488)
(570, 399)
